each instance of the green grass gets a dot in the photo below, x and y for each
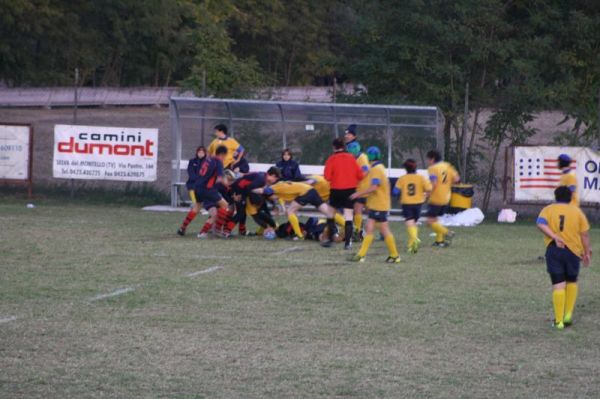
(472, 320)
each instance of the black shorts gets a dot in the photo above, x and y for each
(340, 199)
(434, 211)
(379, 216)
(561, 264)
(361, 200)
(411, 212)
(209, 198)
(311, 197)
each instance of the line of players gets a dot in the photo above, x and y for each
(219, 179)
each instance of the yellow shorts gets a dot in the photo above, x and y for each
(251, 209)
(192, 196)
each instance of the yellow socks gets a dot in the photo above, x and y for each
(295, 225)
(558, 300)
(570, 298)
(339, 220)
(440, 231)
(390, 242)
(358, 217)
(413, 234)
(367, 240)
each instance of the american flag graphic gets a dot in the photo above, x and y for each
(536, 173)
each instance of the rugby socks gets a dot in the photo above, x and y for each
(413, 234)
(331, 227)
(242, 229)
(358, 219)
(558, 300)
(339, 220)
(207, 226)
(439, 230)
(348, 232)
(295, 225)
(188, 219)
(390, 242)
(570, 298)
(366, 243)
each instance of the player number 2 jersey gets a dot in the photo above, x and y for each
(442, 176)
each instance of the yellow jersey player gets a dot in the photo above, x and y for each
(235, 151)
(567, 177)
(442, 176)
(359, 205)
(379, 204)
(324, 189)
(299, 195)
(412, 189)
(567, 240)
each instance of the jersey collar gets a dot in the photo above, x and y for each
(566, 170)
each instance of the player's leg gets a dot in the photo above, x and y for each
(359, 206)
(191, 215)
(367, 241)
(293, 218)
(556, 270)
(348, 229)
(210, 222)
(571, 288)
(432, 220)
(390, 241)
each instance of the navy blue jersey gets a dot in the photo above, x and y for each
(193, 171)
(225, 192)
(210, 170)
(245, 184)
(290, 170)
(242, 165)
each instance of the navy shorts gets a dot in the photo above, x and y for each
(379, 216)
(411, 212)
(340, 199)
(209, 198)
(361, 200)
(434, 211)
(561, 264)
(311, 197)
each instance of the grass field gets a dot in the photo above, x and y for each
(278, 319)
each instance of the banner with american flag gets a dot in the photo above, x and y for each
(536, 172)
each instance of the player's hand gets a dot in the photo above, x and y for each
(587, 258)
(559, 242)
(237, 197)
(354, 196)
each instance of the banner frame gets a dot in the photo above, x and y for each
(509, 179)
(29, 181)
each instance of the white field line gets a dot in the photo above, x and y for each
(285, 251)
(209, 270)
(8, 319)
(120, 291)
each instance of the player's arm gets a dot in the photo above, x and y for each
(239, 153)
(327, 172)
(587, 249)
(190, 170)
(397, 191)
(542, 224)
(375, 183)
(212, 148)
(455, 176)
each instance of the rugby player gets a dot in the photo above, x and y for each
(567, 241)
(442, 176)
(379, 205)
(193, 170)
(235, 151)
(412, 189)
(568, 177)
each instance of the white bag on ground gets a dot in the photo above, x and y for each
(507, 216)
(468, 217)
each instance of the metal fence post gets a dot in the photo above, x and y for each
(176, 143)
(283, 125)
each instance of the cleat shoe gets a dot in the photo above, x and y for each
(202, 236)
(559, 326)
(296, 238)
(449, 236)
(180, 232)
(441, 244)
(327, 244)
(414, 247)
(568, 320)
(357, 258)
(392, 259)
(348, 247)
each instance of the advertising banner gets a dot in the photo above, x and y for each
(536, 173)
(105, 153)
(14, 152)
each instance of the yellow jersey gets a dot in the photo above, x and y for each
(568, 221)
(322, 186)
(570, 180)
(412, 188)
(379, 200)
(442, 176)
(363, 162)
(232, 148)
(290, 190)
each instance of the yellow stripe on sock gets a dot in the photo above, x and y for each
(570, 298)
(295, 224)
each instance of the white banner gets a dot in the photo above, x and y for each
(14, 152)
(105, 153)
(536, 173)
